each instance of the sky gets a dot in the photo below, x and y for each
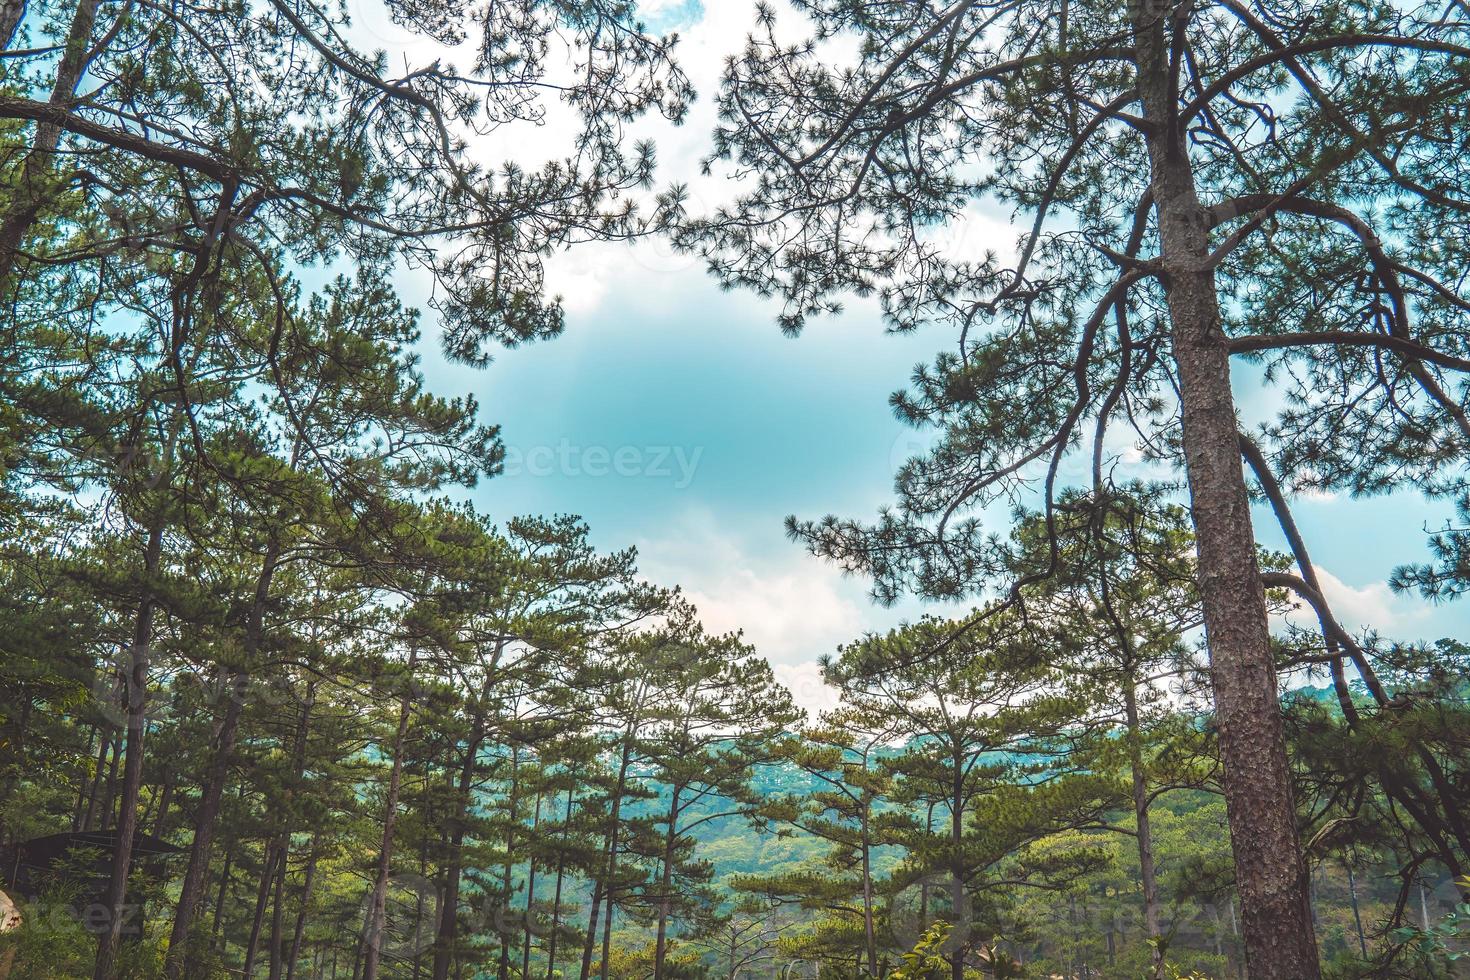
(677, 418)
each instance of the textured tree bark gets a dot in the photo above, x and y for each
(1271, 874)
(12, 12)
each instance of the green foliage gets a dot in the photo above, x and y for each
(1442, 941)
(926, 960)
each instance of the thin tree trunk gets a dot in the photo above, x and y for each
(136, 696)
(84, 789)
(957, 872)
(166, 796)
(924, 887)
(224, 889)
(378, 906)
(870, 938)
(527, 925)
(666, 886)
(93, 788)
(1357, 916)
(607, 925)
(1147, 872)
(561, 863)
(192, 888)
(508, 868)
(307, 884)
(449, 912)
(610, 858)
(418, 904)
(1270, 870)
(277, 940)
(298, 755)
(98, 780)
(262, 898)
(105, 814)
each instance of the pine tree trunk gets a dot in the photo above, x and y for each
(262, 898)
(84, 787)
(1357, 916)
(507, 871)
(378, 905)
(870, 938)
(99, 781)
(957, 872)
(12, 12)
(607, 925)
(561, 863)
(298, 754)
(136, 698)
(610, 857)
(1146, 871)
(192, 889)
(449, 912)
(307, 884)
(665, 887)
(223, 894)
(277, 940)
(1269, 866)
(104, 817)
(527, 925)
(454, 867)
(160, 819)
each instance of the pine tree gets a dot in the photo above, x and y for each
(982, 723)
(1198, 182)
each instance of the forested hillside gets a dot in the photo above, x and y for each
(284, 694)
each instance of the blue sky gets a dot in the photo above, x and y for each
(676, 417)
(727, 426)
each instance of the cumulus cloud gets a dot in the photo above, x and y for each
(805, 683)
(1372, 606)
(791, 607)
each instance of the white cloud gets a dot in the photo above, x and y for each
(805, 683)
(1373, 606)
(790, 606)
